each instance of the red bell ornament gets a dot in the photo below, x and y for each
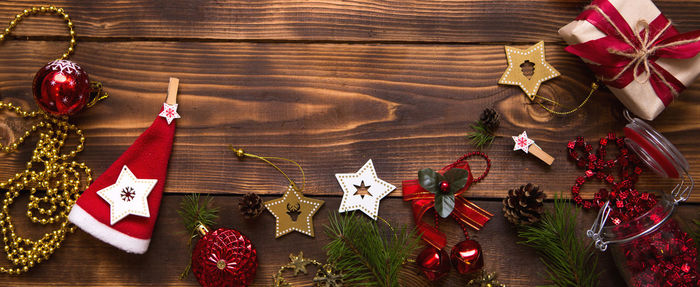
(434, 263)
(224, 258)
(61, 88)
(467, 257)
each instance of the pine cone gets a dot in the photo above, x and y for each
(523, 205)
(251, 205)
(490, 119)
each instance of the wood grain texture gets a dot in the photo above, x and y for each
(329, 83)
(331, 107)
(85, 261)
(455, 21)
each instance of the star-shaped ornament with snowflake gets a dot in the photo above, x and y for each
(169, 112)
(522, 142)
(128, 195)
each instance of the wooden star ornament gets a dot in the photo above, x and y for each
(527, 69)
(293, 212)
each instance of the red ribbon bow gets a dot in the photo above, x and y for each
(625, 55)
(465, 211)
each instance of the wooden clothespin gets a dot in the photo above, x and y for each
(522, 142)
(172, 91)
(170, 106)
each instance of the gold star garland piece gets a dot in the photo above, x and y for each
(293, 212)
(326, 276)
(527, 69)
(485, 279)
(298, 263)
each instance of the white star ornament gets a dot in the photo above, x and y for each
(376, 189)
(128, 195)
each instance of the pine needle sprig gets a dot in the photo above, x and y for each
(569, 261)
(194, 213)
(485, 128)
(366, 254)
(481, 136)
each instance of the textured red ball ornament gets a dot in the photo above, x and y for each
(224, 258)
(466, 256)
(61, 88)
(434, 263)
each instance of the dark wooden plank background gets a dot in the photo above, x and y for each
(329, 84)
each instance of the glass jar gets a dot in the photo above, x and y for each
(652, 249)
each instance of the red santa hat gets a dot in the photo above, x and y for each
(121, 206)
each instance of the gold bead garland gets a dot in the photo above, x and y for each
(44, 10)
(53, 181)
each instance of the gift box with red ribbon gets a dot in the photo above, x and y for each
(636, 52)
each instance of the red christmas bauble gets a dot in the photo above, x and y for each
(467, 256)
(224, 258)
(434, 263)
(61, 88)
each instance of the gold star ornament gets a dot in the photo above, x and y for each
(293, 212)
(527, 69)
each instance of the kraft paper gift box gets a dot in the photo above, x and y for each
(636, 52)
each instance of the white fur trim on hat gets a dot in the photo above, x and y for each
(89, 224)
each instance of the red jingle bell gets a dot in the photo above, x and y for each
(434, 263)
(61, 88)
(466, 256)
(224, 258)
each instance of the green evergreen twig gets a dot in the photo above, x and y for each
(481, 136)
(194, 213)
(569, 261)
(366, 254)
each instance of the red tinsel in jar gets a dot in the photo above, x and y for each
(61, 88)
(224, 258)
(652, 249)
(666, 257)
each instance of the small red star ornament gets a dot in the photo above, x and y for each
(169, 112)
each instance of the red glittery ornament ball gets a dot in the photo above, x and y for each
(61, 88)
(224, 258)
(467, 256)
(434, 263)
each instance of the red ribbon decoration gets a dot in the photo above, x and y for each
(623, 56)
(465, 212)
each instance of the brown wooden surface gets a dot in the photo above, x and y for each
(89, 262)
(329, 84)
(453, 21)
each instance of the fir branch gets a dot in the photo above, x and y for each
(366, 254)
(193, 214)
(569, 261)
(481, 136)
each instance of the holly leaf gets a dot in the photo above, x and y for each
(429, 180)
(444, 204)
(458, 178)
